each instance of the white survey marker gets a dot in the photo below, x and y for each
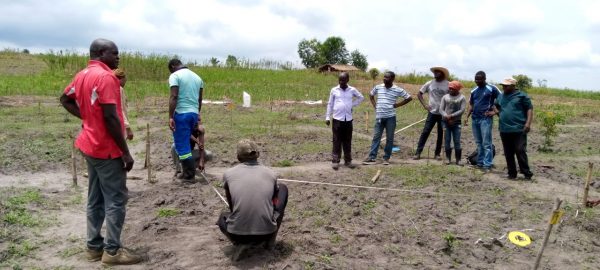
(247, 100)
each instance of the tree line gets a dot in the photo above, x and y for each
(314, 53)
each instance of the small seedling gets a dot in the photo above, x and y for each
(168, 212)
(450, 239)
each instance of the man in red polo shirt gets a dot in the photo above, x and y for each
(94, 97)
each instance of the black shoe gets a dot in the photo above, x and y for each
(511, 177)
(528, 176)
(457, 155)
(448, 157)
(369, 161)
(349, 165)
(335, 166)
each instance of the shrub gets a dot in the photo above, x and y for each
(549, 130)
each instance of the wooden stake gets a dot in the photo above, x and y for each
(367, 121)
(148, 164)
(73, 165)
(374, 179)
(443, 147)
(586, 188)
(553, 220)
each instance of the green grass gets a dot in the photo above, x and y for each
(49, 73)
(27, 197)
(167, 212)
(21, 217)
(284, 163)
(17, 210)
(21, 249)
(71, 251)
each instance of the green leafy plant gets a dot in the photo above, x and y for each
(168, 212)
(549, 129)
(450, 239)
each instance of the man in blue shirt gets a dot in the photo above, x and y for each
(481, 106)
(184, 113)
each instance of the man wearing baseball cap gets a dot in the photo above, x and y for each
(256, 201)
(516, 113)
(436, 88)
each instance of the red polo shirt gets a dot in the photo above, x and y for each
(91, 87)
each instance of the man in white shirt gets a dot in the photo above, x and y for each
(342, 99)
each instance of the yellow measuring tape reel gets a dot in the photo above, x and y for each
(519, 238)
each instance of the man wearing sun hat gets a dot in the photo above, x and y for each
(256, 201)
(516, 113)
(437, 88)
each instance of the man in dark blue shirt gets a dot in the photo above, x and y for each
(481, 106)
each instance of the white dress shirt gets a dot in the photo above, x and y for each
(342, 101)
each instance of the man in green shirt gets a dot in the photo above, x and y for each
(516, 113)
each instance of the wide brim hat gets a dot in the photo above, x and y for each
(441, 69)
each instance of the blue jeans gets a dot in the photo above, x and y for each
(482, 132)
(184, 124)
(452, 133)
(107, 197)
(389, 124)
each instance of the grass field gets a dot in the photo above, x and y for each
(47, 74)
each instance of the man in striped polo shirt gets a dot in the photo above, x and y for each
(385, 115)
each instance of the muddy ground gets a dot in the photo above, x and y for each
(438, 216)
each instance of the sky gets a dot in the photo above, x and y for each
(553, 40)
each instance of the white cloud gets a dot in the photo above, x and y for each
(489, 18)
(554, 39)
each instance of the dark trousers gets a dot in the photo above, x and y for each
(432, 120)
(342, 139)
(278, 209)
(516, 144)
(107, 197)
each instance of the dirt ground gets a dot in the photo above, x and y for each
(433, 217)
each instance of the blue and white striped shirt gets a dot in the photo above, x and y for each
(386, 98)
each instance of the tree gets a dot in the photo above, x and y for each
(334, 51)
(231, 61)
(214, 61)
(523, 82)
(373, 73)
(310, 53)
(359, 60)
(542, 83)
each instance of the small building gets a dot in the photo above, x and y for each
(338, 68)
